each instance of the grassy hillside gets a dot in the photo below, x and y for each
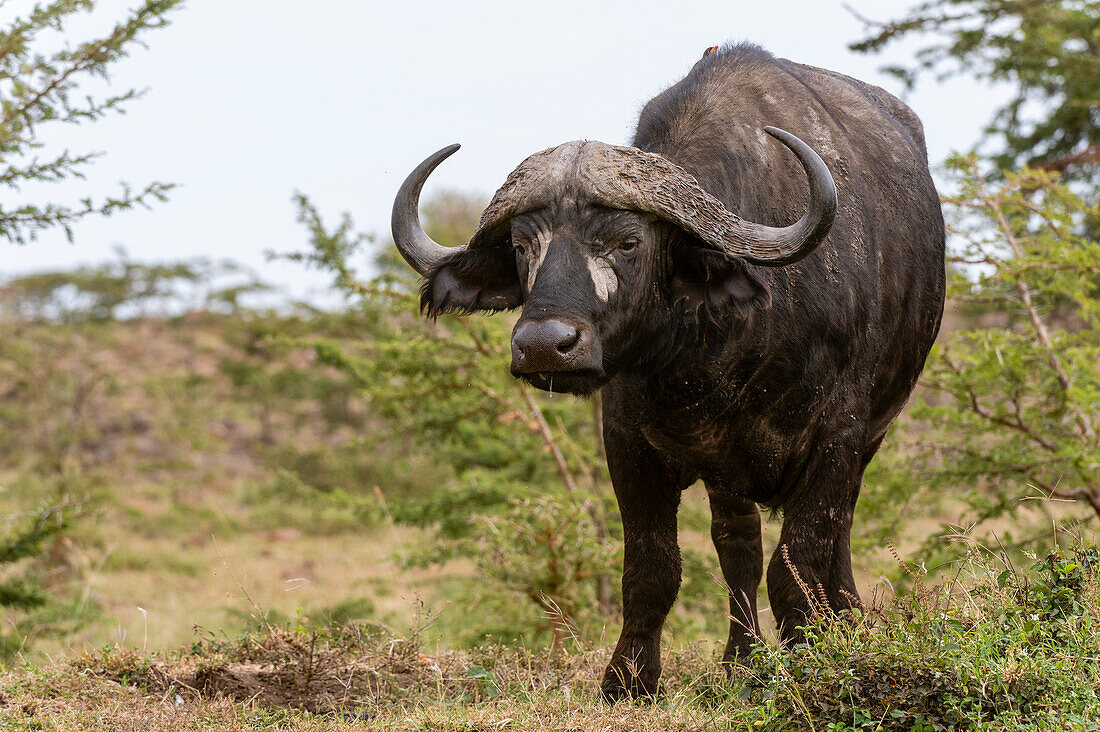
(212, 475)
(208, 481)
(244, 539)
(181, 484)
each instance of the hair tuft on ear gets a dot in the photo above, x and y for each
(471, 281)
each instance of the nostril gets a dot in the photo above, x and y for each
(567, 341)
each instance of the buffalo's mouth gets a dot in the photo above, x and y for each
(583, 381)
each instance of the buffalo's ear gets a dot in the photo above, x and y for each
(709, 284)
(475, 279)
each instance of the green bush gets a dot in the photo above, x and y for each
(995, 648)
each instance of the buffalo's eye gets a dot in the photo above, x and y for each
(628, 246)
(520, 247)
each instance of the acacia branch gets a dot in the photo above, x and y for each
(867, 22)
(1089, 156)
(535, 412)
(89, 58)
(1018, 425)
(1090, 495)
(1084, 424)
(548, 439)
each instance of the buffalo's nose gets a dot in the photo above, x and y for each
(551, 345)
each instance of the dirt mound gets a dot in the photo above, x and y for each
(326, 674)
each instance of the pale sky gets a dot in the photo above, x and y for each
(249, 101)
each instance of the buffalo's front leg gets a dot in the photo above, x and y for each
(648, 497)
(735, 529)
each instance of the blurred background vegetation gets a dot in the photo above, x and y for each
(182, 446)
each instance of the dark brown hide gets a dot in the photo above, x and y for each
(774, 385)
(797, 404)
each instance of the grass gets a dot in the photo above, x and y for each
(999, 647)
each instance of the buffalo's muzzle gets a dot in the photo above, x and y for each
(554, 347)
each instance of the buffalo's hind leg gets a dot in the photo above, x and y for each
(735, 530)
(811, 569)
(648, 494)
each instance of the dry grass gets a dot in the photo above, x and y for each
(287, 680)
(1000, 652)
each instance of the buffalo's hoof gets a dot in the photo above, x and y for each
(620, 683)
(737, 657)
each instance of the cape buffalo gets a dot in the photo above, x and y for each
(765, 357)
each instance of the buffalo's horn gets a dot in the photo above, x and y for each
(637, 180)
(778, 246)
(627, 177)
(415, 246)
